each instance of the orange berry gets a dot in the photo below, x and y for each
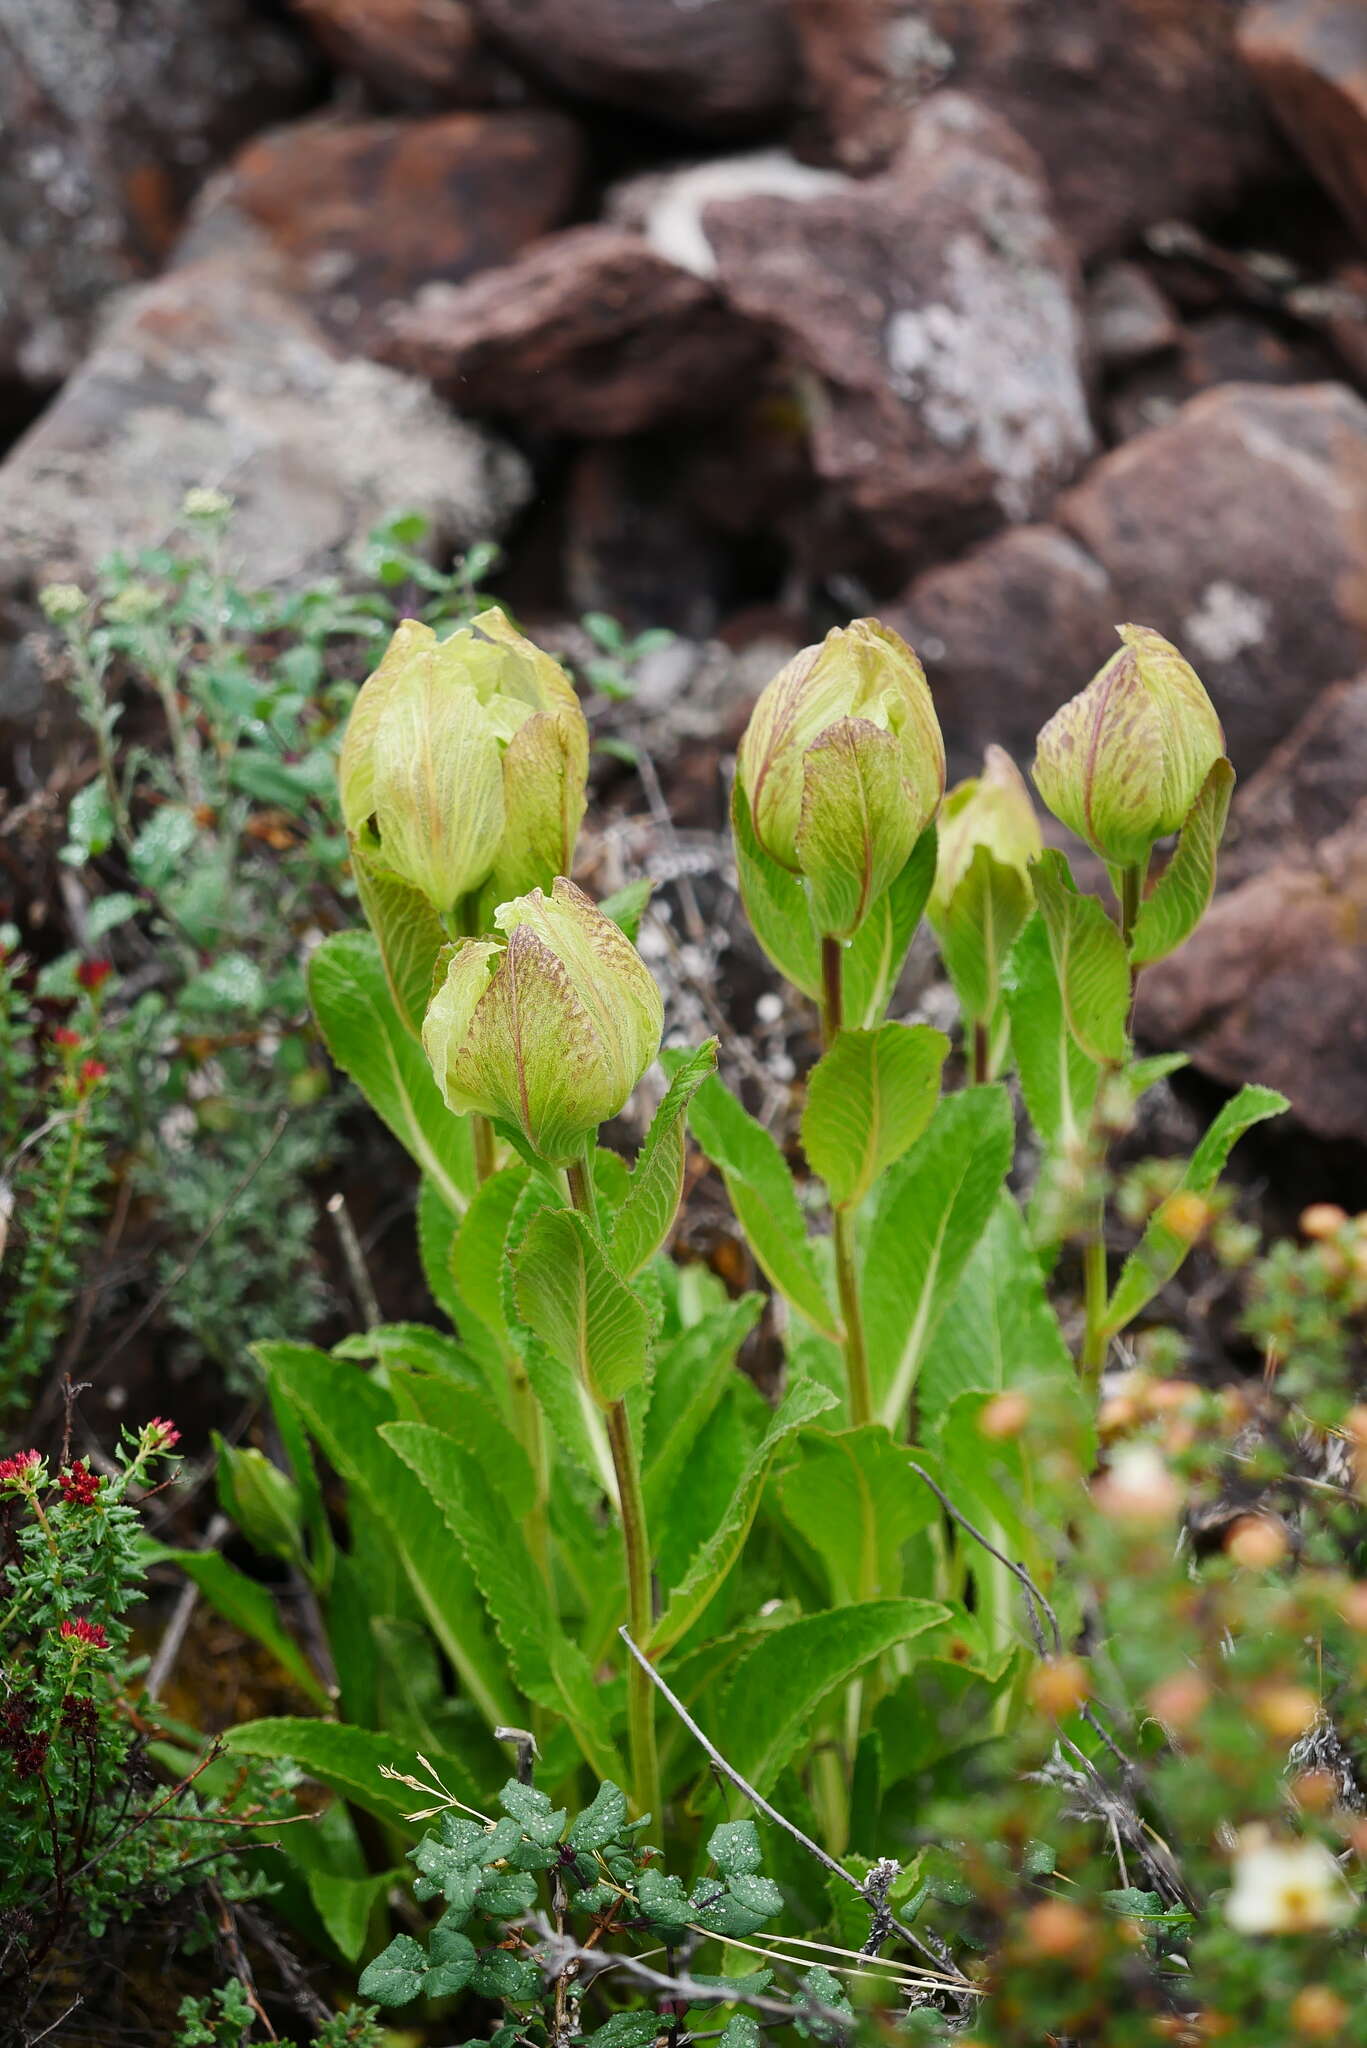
(1322, 1219)
(1180, 1699)
(1318, 2014)
(1005, 1415)
(1057, 1929)
(1185, 1215)
(1353, 1605)
(1060, 1686)
(1258, 1542)
(1286, 1711)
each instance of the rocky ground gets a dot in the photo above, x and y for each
(1007, 318)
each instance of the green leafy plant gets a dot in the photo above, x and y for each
(569, 1498)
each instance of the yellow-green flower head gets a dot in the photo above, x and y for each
(993, 810)
(550, 1029)
(1123, 763)
(843, 767)
(464, 763)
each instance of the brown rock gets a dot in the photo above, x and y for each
(111, 112)
(1128, 318)
(1309, 787)
(1310, 58)
(216, 375)
(1137, 107)
(1006, 634)
(589, 333)
(1240, 530)
(368, 212)
(426, 54)
(719, 68)
(1223, 348)
(1273, 987)
(931, 316)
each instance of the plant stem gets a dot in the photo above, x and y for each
(482, 1131)
(1095, 1343)
(645, 1762)
(858, 1389)
(982, 1052)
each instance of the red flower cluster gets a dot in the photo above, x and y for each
(80, 1717)
(16, 1470)
(65, 1037)
(79, 1484)
(163, 1433)
(90, 1632)
(28, 1750)
(91, 1072)
(93, 974)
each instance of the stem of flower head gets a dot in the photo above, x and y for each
(1095, 1342)
(842, 1221)
(981, 1064)
(645, 1763)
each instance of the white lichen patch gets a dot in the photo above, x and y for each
(993, 365)
(1226, 622)
(672, 206)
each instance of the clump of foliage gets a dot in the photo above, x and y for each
(567, 1500)
(57, 1128)
(209, 855)
(90, 1837)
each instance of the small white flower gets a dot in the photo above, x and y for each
(1286, 1887)
(1139, 1486)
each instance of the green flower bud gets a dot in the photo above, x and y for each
(1122, 763)
(261, 1499)
(843, 766)
(550, 1029)
(992, 810)
(62, 603)
(464, 763)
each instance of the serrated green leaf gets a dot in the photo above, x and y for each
(740, 2031)
(471, 1421)
(691, 1374)
(533, 1812)
(1089, 960)
(1161, 1250)
(452, 1961)
(627, 2030)
(875, 957)
(499, 1975)
(846, 1493)
(776, 904)
(979, 927)
(1058, 1080)
(549, 1669)
(1180, 898)
(764, 1199)
(347, 1760)
(646, 1216)
(935, 1206)
(396, 1975)
(868, 1099)
(770, 1706)
(437, 1225)
(345, 1904)
(734, 1848)
(663, 1898)
(601, 1820)
(481, 1248)
(627, 906)
(344, 1409)
(999, 1330)
(368, 1040)
(714, 1559)
(408, 934)
(579, 1308)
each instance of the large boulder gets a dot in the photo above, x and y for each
(590, 333)
(720, 68)
(930, 315)
(1007, 633)
(216, 375)
(425, 54)
(368, 212)
(1310, 58)
(1139, 108)
(111, 112)
(1239, 529)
